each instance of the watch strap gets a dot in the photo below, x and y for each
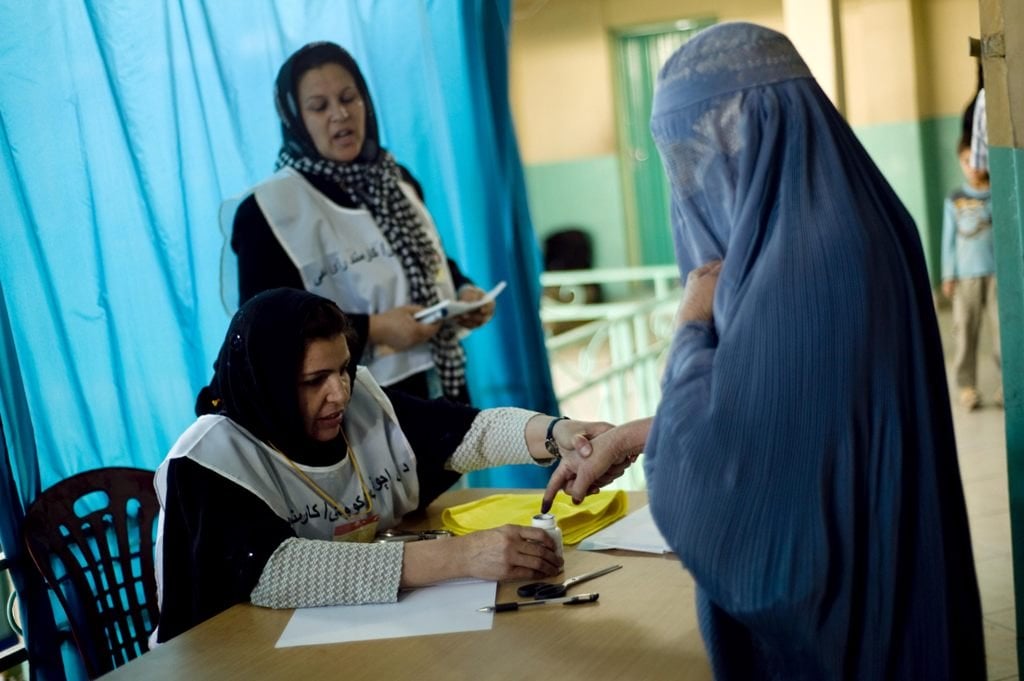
(549, 439)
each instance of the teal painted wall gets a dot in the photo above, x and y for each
(584, 193)
(1007, 169)
(918, 159)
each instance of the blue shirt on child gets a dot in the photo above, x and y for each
(967, 247)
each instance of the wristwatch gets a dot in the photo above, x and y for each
(549, 439)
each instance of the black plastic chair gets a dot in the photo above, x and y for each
(91, 537)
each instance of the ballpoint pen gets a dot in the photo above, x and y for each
(565, 600)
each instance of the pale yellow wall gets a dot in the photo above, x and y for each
(561, 66)
(903, 60)
(812, 26)
(560, 80)
(879, 62)
(950, 73)
(620, 13)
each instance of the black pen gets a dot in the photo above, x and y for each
(564, 600)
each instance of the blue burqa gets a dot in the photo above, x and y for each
(802, 461)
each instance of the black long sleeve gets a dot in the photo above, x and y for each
(434, 429)
(262, 262)
(217, 539)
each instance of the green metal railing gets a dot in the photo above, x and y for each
(609, 365)
(12, 649)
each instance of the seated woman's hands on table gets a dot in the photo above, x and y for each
(509, 552)
(503, 553)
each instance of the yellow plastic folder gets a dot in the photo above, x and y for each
(577, 522)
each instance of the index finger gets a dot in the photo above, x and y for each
(556, 483)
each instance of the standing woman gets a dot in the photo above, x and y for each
(802, 461)
(340, 218)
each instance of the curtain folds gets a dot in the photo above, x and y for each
(123, 125)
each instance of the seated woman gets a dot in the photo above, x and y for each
(296, 457)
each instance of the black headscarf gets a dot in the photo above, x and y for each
(297, 141)
(255, 380)
(370, 181)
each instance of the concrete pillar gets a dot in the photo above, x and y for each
(1002, 52)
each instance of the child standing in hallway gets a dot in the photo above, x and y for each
(968, 274)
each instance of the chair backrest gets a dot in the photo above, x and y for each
(91, 537)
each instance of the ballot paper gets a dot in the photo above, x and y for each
(454, 308)
(635, 532)
(440, 609)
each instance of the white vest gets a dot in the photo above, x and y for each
(386, 462)
(343, 255)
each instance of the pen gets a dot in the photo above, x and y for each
(565, 600)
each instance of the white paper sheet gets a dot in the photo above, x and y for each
(438, 609)
(635, 532)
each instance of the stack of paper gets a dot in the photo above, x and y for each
(635, 532)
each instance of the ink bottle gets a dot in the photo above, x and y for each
(546, 522)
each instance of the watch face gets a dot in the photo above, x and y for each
(552, 447)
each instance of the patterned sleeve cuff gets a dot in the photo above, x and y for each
(497, 437)
(305, 573)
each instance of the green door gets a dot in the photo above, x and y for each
(639, 54)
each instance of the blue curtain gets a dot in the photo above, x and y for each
(123, 125)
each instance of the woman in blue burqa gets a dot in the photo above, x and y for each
(801, 462)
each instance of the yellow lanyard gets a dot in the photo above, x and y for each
(319, 490)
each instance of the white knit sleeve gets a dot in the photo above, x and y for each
(304, 573)
(497, 437)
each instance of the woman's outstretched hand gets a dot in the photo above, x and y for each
(611, 453)
(572, 437)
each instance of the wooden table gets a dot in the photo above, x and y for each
(643, 627)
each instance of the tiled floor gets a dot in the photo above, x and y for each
(981, 441)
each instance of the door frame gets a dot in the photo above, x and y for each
(624, 117)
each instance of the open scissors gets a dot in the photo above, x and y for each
(542, 590)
